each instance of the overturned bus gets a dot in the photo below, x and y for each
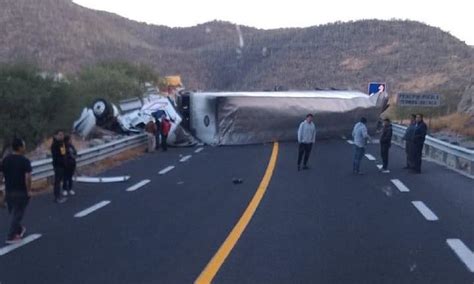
(236, 118)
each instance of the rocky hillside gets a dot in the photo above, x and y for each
(409, 56)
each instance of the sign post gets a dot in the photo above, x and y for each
(375, 87)
(419, 100)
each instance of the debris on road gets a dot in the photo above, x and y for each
(101, 179)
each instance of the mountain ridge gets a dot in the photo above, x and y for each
(409, 56)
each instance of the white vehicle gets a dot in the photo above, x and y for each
(131, 117)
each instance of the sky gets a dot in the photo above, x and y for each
(453, 16)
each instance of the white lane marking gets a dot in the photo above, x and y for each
(185, 158)
(165, 170)
(425, 211)
(199, 150)
(26, 240)
(379, 167)
(92, 209)
(350, 142)
(463, 252)
(138, 185)
(401, 187)
(370, 157)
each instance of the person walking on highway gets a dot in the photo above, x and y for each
(418, 141)
(69, 166)
(361, 138)
(150, 129)
(17, 172)
(165, 130)
(58, 153)
(408, 137)
(306, 139)
(385, 143)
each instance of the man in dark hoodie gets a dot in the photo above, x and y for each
(418, 141)
(385, 143)
(409, 145)
(58, 153)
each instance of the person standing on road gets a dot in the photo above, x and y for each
(385, 143)
(17, 172)
(306, 139)
(70, 165)
(361, 138)
(165, 130)
(158, 133)
(150, 129)
(58, 153)
(408, 137)
(418, 141)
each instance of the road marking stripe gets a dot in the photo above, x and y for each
(185, 158)
(379, 167)
(425, 211)
(138, 185)
(350, 142)
(165, 170)
(401, 187)
(199, 150)
(370, 157)
(463, 252)
(25, 241)
(208, 274)
(92, 209)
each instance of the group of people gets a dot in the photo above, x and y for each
(17, 168)
(17, 172)
(157, 132)
(414, 138)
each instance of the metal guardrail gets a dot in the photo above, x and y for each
(44, 168)
(454, 157)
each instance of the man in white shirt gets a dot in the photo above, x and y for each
(361, 137)
(306, 138)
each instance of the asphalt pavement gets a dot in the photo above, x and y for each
(323, 225)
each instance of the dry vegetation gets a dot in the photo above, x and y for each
(458, 122)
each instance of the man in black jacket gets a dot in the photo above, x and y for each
(418, 141)
(58, 153)
(408, 137)
(17, 171)
(385, 143)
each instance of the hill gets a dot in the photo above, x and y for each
(410, 56)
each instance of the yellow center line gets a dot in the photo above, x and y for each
(208, 274)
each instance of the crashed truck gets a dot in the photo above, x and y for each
(131, 117)
(257, 117)
(239, 118)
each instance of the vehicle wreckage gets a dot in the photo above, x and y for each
(259, 117)
(237, 118)
(131, 117)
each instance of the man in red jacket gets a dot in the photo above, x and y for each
(165, 130)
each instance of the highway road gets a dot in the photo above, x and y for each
(181, 219)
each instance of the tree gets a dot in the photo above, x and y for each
(32, 104)
(113, 81)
